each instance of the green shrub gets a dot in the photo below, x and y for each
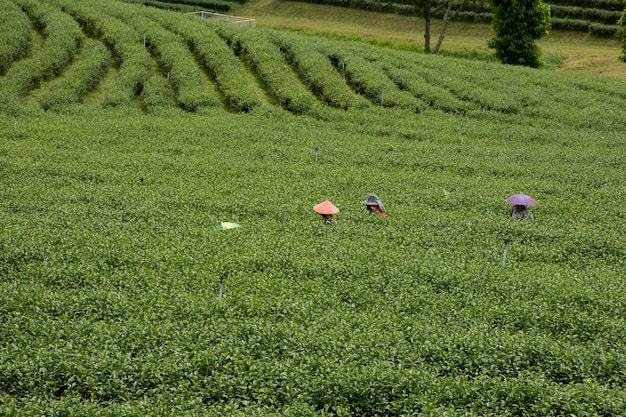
(15, 35)
(317, 71)
(91, 64)
(63, 38)
(213, 53)
(605, 31)
(270, 65)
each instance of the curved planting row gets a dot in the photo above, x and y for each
(410, 74)
(468, 87)
(90, 66)
(367, 77)
(270, 64)
(62, 40)
(213, 53)
(476, 84)
(434, 96)
(529, 93)
(174, 57)
(318, 72)
(157, 94)
(473, 90)
(127, 45)
(15, 34)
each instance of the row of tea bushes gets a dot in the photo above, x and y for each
(63, 38)
(134, 61)
(434, 96)
(367, 77)
(214, 54)
(270, 65)
(82, 76)
(174, 58)
(316, 70)
(15, 34)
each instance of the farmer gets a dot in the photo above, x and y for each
(374, 205)
(328, 211)
(329, 218)
(519, 212)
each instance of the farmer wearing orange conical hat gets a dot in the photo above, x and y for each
(374, 205)
(327, 210)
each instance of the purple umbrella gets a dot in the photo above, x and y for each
(521, 200)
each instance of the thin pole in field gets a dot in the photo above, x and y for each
(506, 243)
(220, 295)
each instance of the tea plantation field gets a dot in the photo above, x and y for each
(127, 134)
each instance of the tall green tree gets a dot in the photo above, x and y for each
(517, 24)
(622, 22)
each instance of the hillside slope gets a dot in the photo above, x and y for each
(163, 59)
(128, 135)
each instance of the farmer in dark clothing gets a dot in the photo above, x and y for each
(520, 212)
(374, 205)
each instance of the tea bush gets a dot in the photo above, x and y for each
(175, 60)
(62, 40)
(15, 35)
(92, 62)
(270, 65)
(228, 72)
(134, 61)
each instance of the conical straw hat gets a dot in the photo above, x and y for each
(326, 207)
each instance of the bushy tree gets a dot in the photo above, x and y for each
(622, 22)
(517, 24)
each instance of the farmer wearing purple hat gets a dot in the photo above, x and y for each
(520, 212)
(520, 208)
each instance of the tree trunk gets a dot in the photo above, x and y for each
(449, 15)
(427, 11)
